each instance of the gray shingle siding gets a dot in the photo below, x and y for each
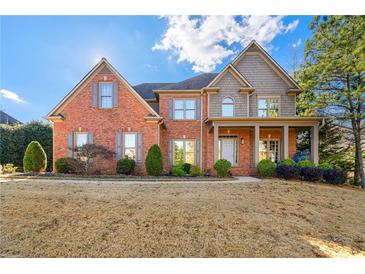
(228, 87)
(266, 82)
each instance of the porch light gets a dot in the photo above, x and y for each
(242, 141)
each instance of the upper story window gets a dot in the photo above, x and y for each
(268, 107)
(184, 109)
(106, 95)
(227, 107)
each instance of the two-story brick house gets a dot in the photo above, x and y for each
(245, 113)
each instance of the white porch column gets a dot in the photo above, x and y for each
(216, 148)
(256, 145)
(286, 142)
(314, 144)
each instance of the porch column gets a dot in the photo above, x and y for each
(256, 145)
(216, 148)
(286, 142)
(314, 144)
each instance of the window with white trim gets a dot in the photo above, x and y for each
(269, 149)
(227, 107)
(268, 107)
(81, 139)
(184, 109)
(183, 152)
(130, 145)
(106, 95)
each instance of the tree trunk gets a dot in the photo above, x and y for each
(358, 152)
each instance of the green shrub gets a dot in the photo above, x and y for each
(266, 168)
(287, 162)
(325, 165)
(311, 174)
(153, 162)
(222, 167)
(9, 168)
(178, 171)
(186, 167)
(67, 165)
(35, 159)
(126, 166)
(195, 171)
(306, 163)
(1, 169)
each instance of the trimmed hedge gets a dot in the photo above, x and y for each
(306, 163)
(178, 171)
(288, 162)
(311, 174)
(334, 176)
(222, 167)
(266, 168)
(186, 167)
(35, 159)
(67, 165)
(195, 171)
(288, 172)
(154, 162)
(126, 166)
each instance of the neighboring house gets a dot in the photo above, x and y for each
(7, 119)
(245, 113)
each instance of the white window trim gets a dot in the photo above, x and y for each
(272, 139)
(135, 143)
(269, 97)
(184, 109)
(233, 104)
(99, 93)
(79, 133)
(173, 150)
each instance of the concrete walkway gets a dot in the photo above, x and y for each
(247, 179)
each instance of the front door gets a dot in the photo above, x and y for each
(227, 149)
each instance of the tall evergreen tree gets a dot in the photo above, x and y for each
(333, 76)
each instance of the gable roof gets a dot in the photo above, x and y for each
(7, 119)
(282, 73)
(235, 73)
(86, 78)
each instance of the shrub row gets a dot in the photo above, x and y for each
(305, 170)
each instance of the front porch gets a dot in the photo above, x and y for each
(244, 142)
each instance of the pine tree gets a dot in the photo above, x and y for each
(333, 76)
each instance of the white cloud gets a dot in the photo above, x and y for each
(11, 96)
(297, 43)
(206, 41)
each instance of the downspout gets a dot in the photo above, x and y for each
(248, 102)
(158, 131)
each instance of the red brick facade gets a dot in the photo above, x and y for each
(80, 115)
(131, 115)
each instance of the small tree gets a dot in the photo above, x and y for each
(154, 162)
(35, 159)
(88, 153)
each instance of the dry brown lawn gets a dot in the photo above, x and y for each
(52, 218)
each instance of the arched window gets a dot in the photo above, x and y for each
(227, 107)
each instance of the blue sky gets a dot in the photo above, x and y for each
(43, 57)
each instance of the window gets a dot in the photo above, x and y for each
(106, 95)
(130, 145)
(184, 109)
(183, 152)
(269, 107)
(269, 149)
(81, 139)
(227, 107)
